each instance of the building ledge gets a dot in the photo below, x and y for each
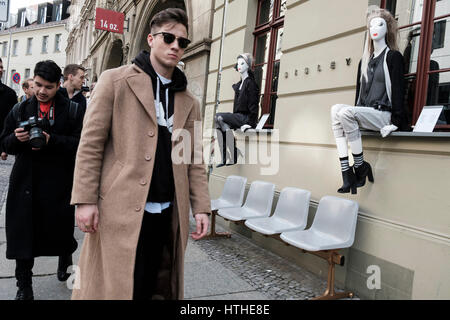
(407, 134)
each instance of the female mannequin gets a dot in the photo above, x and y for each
(245, 109)
(379, 99)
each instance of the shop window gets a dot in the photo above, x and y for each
(267, 52)
(425, 43)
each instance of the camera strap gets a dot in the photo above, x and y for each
(50, 114)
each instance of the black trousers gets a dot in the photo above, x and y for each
(24, 269)
(154, 252)
(24, 273)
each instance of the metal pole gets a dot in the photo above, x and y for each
(9, 57)
(219, 78)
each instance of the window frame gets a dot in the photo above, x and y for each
(29, 46)
(271, 28)
(424, 56)
(46, 44)
(15, 47)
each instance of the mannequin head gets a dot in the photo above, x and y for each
(242, 65)
(377, 29)
(380, 24)
(390, 28)
(247, 58)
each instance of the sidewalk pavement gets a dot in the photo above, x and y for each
(219, 269)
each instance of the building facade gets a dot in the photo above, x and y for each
(306, 60)
(99, 50)
(37, 33)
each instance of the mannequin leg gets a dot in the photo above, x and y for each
(351, 117)
(348, 176)
(222, 141)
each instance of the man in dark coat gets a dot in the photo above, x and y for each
(74, 76)
(8, 97)
(39, 217)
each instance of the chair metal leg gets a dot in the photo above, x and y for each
(329, 293)
(213, 234)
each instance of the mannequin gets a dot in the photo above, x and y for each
(379, 99)
(245, 110)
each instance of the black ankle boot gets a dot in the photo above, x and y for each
(63, 263)
(349, 178)
(25, 293)
(223, 149)
(363, 171)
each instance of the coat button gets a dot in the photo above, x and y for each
(137, 208)
(27, 192)
(148, 157)
(143, 182)
(151, 133)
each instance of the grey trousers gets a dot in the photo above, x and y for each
(347, 120)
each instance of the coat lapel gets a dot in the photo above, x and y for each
(182, 108)
(141, 85)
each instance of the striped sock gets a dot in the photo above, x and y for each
(359, 159)
(344, 164)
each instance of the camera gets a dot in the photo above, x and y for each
(34, 126)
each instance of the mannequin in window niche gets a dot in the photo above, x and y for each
(379, 99)
(245, 110)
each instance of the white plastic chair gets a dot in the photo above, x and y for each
(333, 227)
(232, 193)
(257, 205)
(290, 214)
(232, 197)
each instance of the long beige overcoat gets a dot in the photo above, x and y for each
(114, 168)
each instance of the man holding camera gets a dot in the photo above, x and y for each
(43, 133)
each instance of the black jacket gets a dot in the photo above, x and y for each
(162, 186)
(78, 98)
(39, 218)
(395, 65)
(246, 99)
(8, 99)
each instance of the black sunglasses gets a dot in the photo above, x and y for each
(169, 38)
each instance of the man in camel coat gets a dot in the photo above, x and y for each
(133, 195)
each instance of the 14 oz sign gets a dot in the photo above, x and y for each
(109, 20)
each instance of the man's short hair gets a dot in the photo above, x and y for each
(170, 15)
(72, 69)
(48, 70)
(26, 83)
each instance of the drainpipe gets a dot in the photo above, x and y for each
(9, 58)
(219, 79)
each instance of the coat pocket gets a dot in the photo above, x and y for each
(108, 178)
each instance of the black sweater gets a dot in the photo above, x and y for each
(162, 186)
(395, 65)
(246, 99)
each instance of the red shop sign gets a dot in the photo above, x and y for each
(109, 20)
